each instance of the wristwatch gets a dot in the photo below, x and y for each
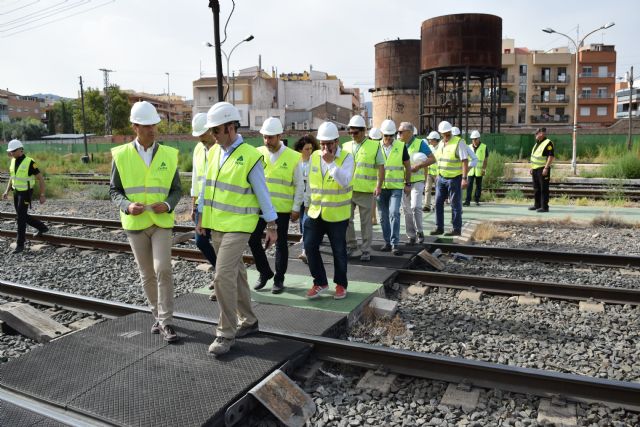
(464, 177)
(407, 184)
(272, 227)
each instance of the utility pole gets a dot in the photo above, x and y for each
(85, 159)
(107, 102)
(215, 9)
(169, 108)
(630, 81)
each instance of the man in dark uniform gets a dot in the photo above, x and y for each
(541, 158)
(23, 173)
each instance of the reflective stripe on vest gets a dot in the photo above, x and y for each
(393, 166)
(481, 153)
(199, 167)
(230, 205)
(449, 165)
(365, 171)
(279, 176)
(329, 200)
(20, 179)
(415, 148)
(146, 184)
(538, 160)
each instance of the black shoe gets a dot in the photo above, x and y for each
(477, 203)
(412, 240)
(41, 232)
(542, 210)
(466, 204)
(385, 248)
(278, 287)
(18, 249)
(533, 208)
(426, 209)
(436, 232)
(262, 281)
(453, 233)
(155, 328)
(395, 250)
(420, 237)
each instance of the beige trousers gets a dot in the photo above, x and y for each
(152, 250)
(364, 203)
(230, 282)
(430, 182)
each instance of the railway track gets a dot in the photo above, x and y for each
(455, 370)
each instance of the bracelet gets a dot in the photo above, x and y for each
(272, 227)
(464, 177)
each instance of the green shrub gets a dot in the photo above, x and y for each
(58, 185)
(514, 194)
(626, 166)
(495, 173)
(99, 192)
(185, 162)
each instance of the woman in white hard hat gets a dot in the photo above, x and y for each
(23, 173)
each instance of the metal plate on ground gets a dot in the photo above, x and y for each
(13, 415)
(274, 317)
(122, 377)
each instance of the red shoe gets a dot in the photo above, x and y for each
(316, 290)
(341, 292)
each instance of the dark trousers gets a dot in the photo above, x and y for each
(470, 182)
(22, 201)
(282, 248)
(451, 188)
(541, 188)
(314, 231)
(204, 244)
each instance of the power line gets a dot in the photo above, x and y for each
(32, 14)
(21, 7)
(49, 14)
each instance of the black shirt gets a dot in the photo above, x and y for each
(547, 151)
(33, 169)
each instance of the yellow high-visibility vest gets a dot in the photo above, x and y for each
(393, 166)
(433, 168)
(365, 172)
(146, 184)
(20, 179)
(230, 205)
(279, 176)
(198, 168)
(538, 160)
(481, 153)
(415, 148)
(449, 165)
(329, 200)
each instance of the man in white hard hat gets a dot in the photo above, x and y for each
(234, 194)
(476, 172)
(397, 175)
(198, 170)
(23, 173)
(433, 139)
(473, 159)
(329, 210)
(375, 134)
(145, 185)
(286, 187)
(412, 202)
(368, 177)
(453, 165)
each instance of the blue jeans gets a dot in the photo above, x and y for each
(389, 202)
(303, 218)
(314, 231)
(204, 244)
(449, 187)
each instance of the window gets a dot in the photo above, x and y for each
(603, 71)
(562, 74)
(585, 111)
(602, 92)
(237, 95)
(523, 70)
(586, 93)
(560, 94)
(546, 75)
(587, 70)
(602, 111)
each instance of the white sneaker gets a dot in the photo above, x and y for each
(221, 345)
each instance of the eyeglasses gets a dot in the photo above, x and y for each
(326, 144)
(402, 130)
(353, 131)
(389, 136)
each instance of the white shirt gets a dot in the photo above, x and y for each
(472, 154)
(342, 174)
(147, 155)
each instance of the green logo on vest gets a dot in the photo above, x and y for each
(163, 166)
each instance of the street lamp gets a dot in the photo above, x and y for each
(575, 87)
(228, 57)
(169, 101)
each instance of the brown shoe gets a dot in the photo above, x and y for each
(168, 333)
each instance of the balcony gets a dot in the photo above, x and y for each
(507, 80)
(595, 96)
(556, 80)
(504, 99)
(558, 99)
(507, 120)
(547, 118)
(597, 75)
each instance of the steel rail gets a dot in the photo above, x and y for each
(423, 365)
(498, 285)
(109, 223)
(540, 255)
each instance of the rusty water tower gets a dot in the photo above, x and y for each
(397, 72)
(460, 69)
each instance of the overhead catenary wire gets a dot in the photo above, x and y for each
(34, 14)
(19, 8)
(48, 15)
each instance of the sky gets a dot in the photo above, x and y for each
(46, 44)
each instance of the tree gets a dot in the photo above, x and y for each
(60, 117)
(94, 111)
(26, 129)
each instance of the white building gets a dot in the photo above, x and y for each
(622, 103)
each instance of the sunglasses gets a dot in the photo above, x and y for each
(389, 136)
(353, 132)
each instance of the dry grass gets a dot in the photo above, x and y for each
(611, 221)
(389, 328)
(488, 231)
(567, 220)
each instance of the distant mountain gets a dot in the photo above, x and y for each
(49, 96)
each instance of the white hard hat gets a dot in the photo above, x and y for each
(444, 127)
(417, 158)
(433, 135)
(198, 124)
(415, 130)
(388, 127)
(357, 121)
(375, 133)
(221, 113)
(271, 126)
(14, 144)
(475, 134)
(144, 113)
(327, 132)
(455, 131)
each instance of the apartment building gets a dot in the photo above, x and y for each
(538, 87)
(624, 97)
(20, 107)
(168, 106)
